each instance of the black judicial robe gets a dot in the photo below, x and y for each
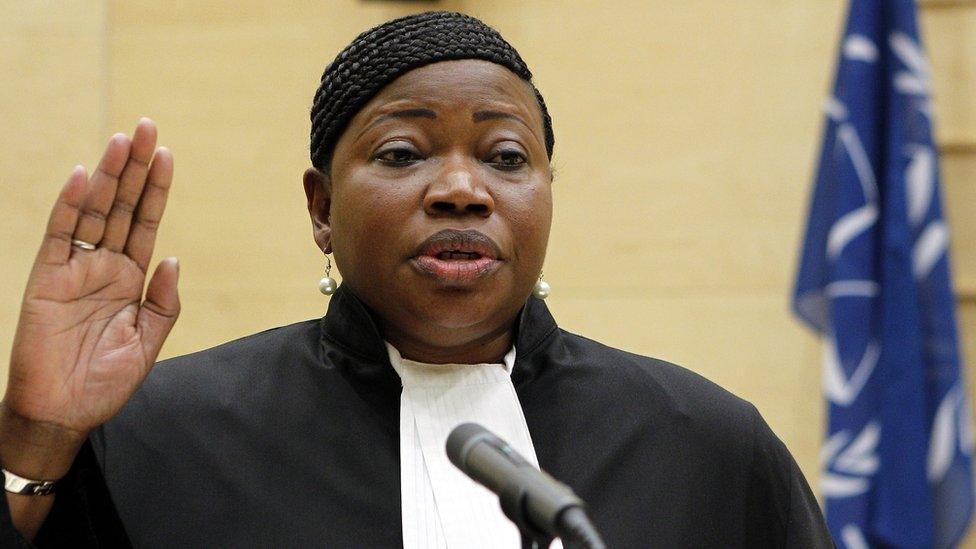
(290, 437)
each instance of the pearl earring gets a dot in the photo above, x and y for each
(328, 284)
(542, 288)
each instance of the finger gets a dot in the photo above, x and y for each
(159, 311)
(131, 184)
(101, 190)
(145, 224)
(56, 246)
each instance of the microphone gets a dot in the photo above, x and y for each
(541, 506)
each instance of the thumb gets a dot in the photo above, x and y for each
(158, 312)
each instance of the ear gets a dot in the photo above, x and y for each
(318, 194)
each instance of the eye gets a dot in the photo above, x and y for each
(397, 155)
(508, 159)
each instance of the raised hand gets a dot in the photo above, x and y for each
(86, 338)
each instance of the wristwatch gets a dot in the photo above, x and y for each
(24, 486)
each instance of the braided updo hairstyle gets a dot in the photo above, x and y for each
(380, 55)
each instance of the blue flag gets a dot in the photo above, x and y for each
(874, 282)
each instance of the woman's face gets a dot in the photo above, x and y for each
(439, 204)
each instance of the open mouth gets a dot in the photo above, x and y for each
(454, 256)
(451, 255)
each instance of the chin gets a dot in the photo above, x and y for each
(454, 308)
(468, 310)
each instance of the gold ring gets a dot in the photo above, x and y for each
(83, 245)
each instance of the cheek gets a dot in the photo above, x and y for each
(367, 213)
(530, 214)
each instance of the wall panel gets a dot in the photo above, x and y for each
(959, 200)
(52, 114)
(950, 35)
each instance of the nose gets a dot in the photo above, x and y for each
(458, 190)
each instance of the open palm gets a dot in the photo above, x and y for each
(86, 338)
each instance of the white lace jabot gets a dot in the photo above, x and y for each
(441, 507)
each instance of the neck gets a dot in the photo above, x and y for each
(490, 348)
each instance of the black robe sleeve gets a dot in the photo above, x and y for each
(782, 509)
(83, 514)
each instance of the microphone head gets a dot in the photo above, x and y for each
(461, 440)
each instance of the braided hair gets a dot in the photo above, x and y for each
(380, 55)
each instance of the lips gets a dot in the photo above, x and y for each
(457, 257)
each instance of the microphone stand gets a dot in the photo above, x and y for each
(512, 500)
(530, 543)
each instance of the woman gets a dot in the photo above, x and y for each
(430, 186)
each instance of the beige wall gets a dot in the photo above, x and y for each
(686, 135)
(52, 116)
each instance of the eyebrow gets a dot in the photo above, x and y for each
(481, 116)
(403, 113)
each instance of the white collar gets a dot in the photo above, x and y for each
(441, 507)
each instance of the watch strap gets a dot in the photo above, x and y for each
(16, 484)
